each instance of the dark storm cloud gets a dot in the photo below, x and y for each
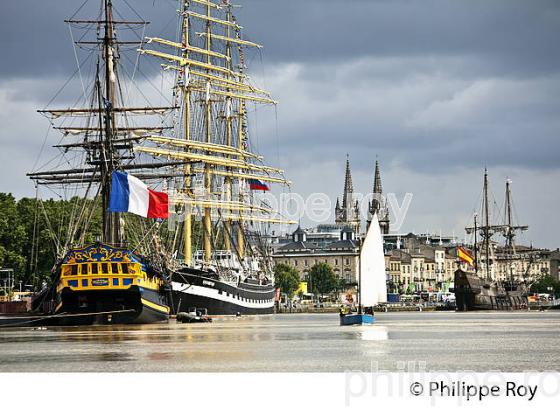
(437, 89)
(516, 37)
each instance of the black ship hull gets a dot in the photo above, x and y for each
(132, 306)
(198, 289)
(474, 293)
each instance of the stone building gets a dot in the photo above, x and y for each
(525, 263)
(421, 267)
(341, 255)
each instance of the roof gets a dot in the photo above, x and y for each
(298, 231)
(297, 246)
(344, 244)
(399, 254)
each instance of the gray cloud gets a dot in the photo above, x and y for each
(436, 89)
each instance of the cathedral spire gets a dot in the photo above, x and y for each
(377, 187)
(349, 213)
(378, 203)
(348, 186)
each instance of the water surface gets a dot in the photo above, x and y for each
(480, 341)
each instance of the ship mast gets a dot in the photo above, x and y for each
(509, 229)
(486, 228)
(214, 145)
(108, 145)
(207, 220)
(241, 143)
(111, 220)
(475, 243)
(187, 224)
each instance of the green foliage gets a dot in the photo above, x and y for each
(544, 283)
(340, 284)
(32, 232)
(287, 279)
(322, 278)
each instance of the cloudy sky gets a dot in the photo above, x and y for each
(435, 89)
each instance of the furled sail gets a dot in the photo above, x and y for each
(373, 287)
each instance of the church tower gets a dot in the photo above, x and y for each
(378, 203)
(349, 213)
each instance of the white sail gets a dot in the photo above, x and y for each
(372, 267)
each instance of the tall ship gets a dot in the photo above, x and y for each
(221, 264)
(110, 264)
(202, 248)
(482, 288)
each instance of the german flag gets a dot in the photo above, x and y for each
(464, 255)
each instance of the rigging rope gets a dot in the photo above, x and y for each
(77, 60)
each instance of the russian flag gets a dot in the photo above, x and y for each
(256, 185)
(129, 194)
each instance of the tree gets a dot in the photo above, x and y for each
(340, 285)
(544, 283)
(287, 279)
(323, 279)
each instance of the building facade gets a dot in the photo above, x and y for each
(341, 255)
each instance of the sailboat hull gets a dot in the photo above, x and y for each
(196, 290)
(357, 319)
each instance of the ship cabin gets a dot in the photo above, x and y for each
(102, 267)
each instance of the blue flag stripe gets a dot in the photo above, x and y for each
(120, 192)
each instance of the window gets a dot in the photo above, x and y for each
(105, 268)
(115, 267)
(94, 268)
(305, 262)
(347, 261)
(74, 270)
(124, 268)
(295, 262)
(336, 262)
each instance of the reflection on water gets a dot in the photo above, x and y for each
(373, 333)
(445, 341)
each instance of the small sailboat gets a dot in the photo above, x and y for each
(372, 286)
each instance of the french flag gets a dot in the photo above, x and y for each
(129, 194)
(256, 185)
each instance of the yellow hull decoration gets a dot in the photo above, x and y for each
(155, 306)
